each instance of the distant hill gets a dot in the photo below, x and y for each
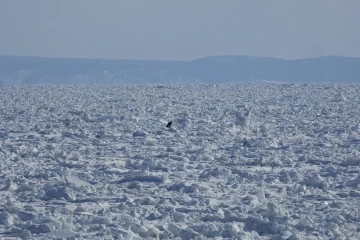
(217, 69)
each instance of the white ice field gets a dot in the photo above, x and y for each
(240, 161)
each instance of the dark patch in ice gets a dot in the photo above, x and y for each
(261, 226)
(246, 143)
(140, 134)
(26, 216)
(143, 178)
(42, 228)
(60, 192)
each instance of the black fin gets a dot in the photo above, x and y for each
(169, 124)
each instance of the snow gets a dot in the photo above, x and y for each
(240, 161)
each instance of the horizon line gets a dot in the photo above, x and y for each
(169, 60)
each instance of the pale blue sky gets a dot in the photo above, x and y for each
(179, 30)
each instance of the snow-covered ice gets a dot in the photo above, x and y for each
(240, 161)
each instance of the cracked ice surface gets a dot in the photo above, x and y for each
(241, 161)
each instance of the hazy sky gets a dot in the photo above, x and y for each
(179, 30)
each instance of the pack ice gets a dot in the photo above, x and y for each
(239, 161)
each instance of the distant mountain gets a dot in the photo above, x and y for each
(217, 69)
